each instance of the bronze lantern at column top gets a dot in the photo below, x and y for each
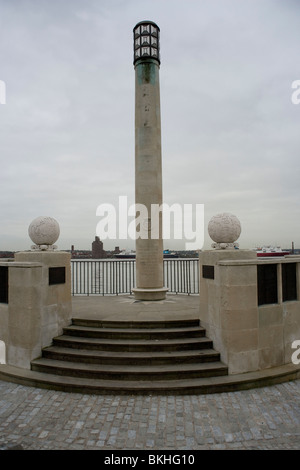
(146, 41)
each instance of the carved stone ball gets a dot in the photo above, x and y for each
(224, 228)
(44, 230)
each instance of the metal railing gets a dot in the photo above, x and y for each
(117, 276)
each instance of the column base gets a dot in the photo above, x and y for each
(150, 294)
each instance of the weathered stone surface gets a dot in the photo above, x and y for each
(44, 230)
(249, 337)
(36, 311)
(148, 181)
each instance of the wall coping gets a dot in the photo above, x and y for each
(20, 264)
(266, 260)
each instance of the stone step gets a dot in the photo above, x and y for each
(132, 345)
(187, 323)
(134, 333)
(204, 385)
(134, 358)
(129, 372)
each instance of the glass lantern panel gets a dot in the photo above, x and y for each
(138, 42)
(146, 41)
(145, 29)
(146, 50)
(153, 42)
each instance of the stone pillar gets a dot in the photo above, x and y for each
(24, 313)
(54, 291)
(39, 295)
(228, 295)
(228, 306)
(148, 167)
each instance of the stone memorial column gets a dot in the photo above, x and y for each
(148, 168)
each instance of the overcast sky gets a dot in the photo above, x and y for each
(230, 131)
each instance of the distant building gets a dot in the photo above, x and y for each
(7, 254)
(97, 249)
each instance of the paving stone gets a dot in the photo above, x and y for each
(266, 418)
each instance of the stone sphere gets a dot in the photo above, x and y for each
(44, 230)
(224, 228)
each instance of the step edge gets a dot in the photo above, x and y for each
(81, 339)
(134, 331)
(115, 369)
(120, 354)
(136, 323)
(204, 385)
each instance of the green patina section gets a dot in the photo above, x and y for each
(147, 72)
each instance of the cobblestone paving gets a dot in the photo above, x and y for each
(264, 418)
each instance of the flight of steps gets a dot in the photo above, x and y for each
(126, 357)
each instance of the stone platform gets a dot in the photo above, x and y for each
(108, 330)
(126, 308)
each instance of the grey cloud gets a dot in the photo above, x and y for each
(230, 133)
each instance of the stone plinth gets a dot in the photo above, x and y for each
(38, 307)
(250, 337)
(24, 313)
(150, 294)
(228, 308)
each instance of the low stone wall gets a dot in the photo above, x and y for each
(37, 309)
(249, 336)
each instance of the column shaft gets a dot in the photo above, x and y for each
(148, 181)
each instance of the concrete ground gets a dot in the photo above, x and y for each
(38, 419)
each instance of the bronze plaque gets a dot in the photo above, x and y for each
(208, 272)
(289, 281)
(4, 284)
(57, 275)
(267, 284)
